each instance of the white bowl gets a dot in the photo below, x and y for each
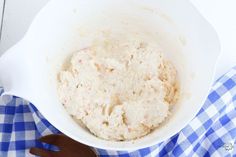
(29, 69)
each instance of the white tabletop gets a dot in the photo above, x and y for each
(1, 11)
(220, 13)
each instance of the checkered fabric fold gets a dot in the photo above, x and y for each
(211, 133)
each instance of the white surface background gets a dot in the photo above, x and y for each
(220, 13)
(1, 8)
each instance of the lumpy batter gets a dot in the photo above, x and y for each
(119, 90)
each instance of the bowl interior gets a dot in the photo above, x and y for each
(64, 27)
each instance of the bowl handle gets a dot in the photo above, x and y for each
(12, 64)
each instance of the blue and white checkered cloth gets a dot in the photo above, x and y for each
(211, 133)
